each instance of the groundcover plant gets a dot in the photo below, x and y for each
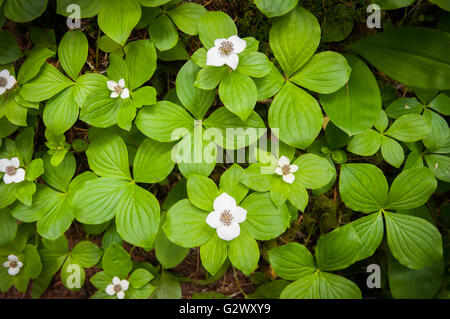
(224, 149)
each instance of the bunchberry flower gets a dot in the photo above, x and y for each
(226, 217)
(286, 170)
(7, 81)
(118, 89)
(225, 51)
(13, 174)
(13, 264)
(118, 287)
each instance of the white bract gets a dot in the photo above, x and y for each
(13, 264)
(226, 217)
(7, 81)
(117, 287)
(118, 89)
(13, 174)
(225, 51)
(286, 170)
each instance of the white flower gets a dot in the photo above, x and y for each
(117, 287)
(7, 81)
(13, 174)
(118, 89)
(226, 52)
(226, 217)
(286, 170)
(13, 264)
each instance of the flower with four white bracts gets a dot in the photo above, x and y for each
(225, 51)
(13, 264)
(226, 217)
(118, 89)
(13, 174)
(7, 81)
(286, 170)
(117, 287)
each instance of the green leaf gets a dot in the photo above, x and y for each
(230, 183)
(325, 73)
(255, 180)
(294, 38)
(414, 56)
(393, 4)
(86, 253)
(209, 77)
(96, 200)
(197, 101)
(24, 10)
(59, 177)
(291, 261)
(168, 254)
(243, 252)
(405, 283)
(297, 115)
(163, 33)
(145, 95)
(213, 254)
(365, 143)
(47, 84)
(440, 165)
(230, 132)
(33, 63)
(72, 275)
(138, 53)
(438, 135)
(363, 187)
(137, 216)
(409, 128)
(413, 241)
(9, 49)
(298, 195)
(116, 261)
(355, 107)
(117, 18)
(270, 84)
(402, 106)
(441, 103)
(412, 188)
(215, 25)
(370, 230)
(99, 109)
(88, 8)
(186, 225)
(61, 112)
(159, 154)
(73, 52)
(392, 152)
(186, 17)
(254, 64)
(338, 249)
(108, 157)
(8, 227)
(32, 262)
(313, 171)
(279, 191)
(238, 93)
(139, 278)
(86, 84)
(24, 144)
(164, 122)
(275, 8)
(14, 113)
(264, 221)
(202, 192)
